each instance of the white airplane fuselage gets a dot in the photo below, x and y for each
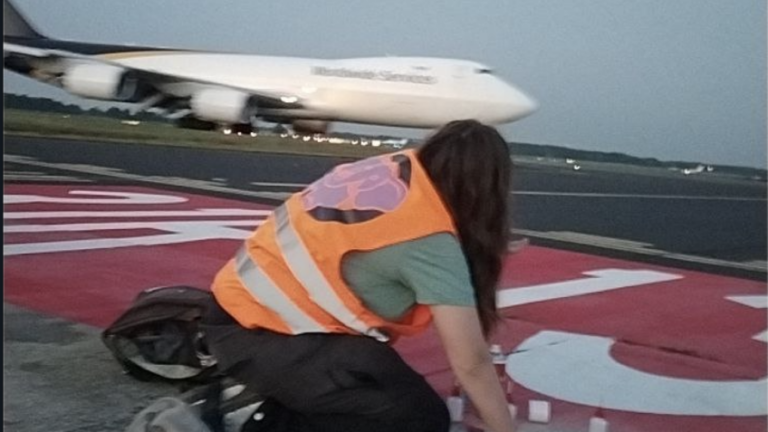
(389, 91)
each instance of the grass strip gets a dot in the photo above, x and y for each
(92, 128)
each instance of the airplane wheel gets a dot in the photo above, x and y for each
(242, 129)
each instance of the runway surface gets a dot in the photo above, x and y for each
(661, 344)
(721, 220)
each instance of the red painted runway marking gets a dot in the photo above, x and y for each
(677, 330)
(93, 286)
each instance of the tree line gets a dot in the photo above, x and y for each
(31, 103)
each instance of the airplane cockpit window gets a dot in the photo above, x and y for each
(484, 71)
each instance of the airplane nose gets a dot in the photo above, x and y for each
(518, 105)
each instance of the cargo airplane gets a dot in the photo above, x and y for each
(206, 90)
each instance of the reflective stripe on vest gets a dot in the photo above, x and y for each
(306, 272)
(289, 276)
(268, 294)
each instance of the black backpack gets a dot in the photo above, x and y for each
(159, 338)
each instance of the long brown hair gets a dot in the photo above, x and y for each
(470, 165)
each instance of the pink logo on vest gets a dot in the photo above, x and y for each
(371, 184)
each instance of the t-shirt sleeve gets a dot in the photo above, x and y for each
(437, 271)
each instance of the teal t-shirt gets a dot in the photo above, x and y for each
(430, 271)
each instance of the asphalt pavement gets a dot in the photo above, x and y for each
(59, 377)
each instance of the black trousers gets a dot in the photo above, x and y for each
(325, 382)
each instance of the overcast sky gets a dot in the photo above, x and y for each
(671, 79)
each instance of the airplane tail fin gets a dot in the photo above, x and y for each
(14, 23)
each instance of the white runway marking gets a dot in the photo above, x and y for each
(38, 176)
(27, 177)
(753, 301)
(635, 247)
(173, 232)
(275, 184)
(135, 214)
(172, 181)
(615, 244)
(281, 195)
(579, 368)
(598, 281)
(574, 194)
(639, 196)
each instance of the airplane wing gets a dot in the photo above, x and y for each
(11, 48)
(39, 62)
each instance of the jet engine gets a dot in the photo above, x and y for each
(223, 106)
(101, 81)
(310, 126)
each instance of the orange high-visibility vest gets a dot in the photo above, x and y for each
(287, 277)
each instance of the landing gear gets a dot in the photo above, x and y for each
(240, 129)
(195, 123)
(310, 127)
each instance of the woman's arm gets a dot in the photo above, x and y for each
(460, 332)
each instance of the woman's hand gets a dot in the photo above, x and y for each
(460, 332)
